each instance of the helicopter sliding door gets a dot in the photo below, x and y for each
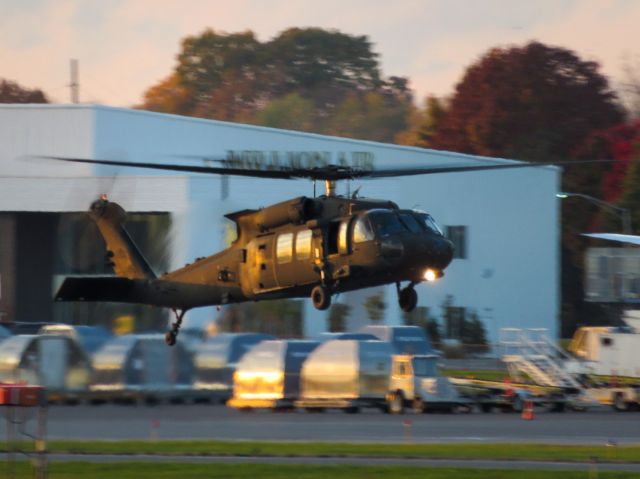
(261, 264)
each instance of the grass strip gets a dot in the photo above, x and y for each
(135, 470)
(531, 452)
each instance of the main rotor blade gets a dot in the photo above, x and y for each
(431, 170)
(623, 238)
(328, 172)
(282, 173)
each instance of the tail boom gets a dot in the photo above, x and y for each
(154, 292)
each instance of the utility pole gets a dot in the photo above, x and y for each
(74, 85)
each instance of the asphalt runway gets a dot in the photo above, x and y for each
(589, 467)
(113, 422)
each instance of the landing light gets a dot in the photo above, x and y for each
(431, 275)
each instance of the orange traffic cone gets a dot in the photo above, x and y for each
(527, 411)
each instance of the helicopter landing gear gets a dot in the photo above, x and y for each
(172, 335)
(408, 298)
(321, 297)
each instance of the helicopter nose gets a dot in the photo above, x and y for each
(442, 253)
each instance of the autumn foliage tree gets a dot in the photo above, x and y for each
(531, 103)
(11, 92)
(308, 79)
(630, 194)
(537, 103)
(423, 123)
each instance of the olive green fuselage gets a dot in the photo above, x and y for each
(282, 251)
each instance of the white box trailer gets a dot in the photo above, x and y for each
(607, 351)
(608, 358)
(352, 374)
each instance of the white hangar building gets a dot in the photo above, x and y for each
(504, 222)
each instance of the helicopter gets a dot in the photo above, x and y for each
(313, 247)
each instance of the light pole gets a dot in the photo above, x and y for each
(623, 213)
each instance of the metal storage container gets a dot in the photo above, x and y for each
(90, 338)
(269, 374)
(404, 339)
(347, 369)
(322, 337)
(216, 360)
(142, 365)
(55, 362)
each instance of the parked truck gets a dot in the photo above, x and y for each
(356, 374)
(607, 351)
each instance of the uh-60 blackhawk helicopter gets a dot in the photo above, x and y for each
(304, 247)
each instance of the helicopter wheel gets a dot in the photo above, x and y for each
(408, 299)
(320, 297)
(170, 338)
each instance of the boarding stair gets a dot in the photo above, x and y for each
(531, 352)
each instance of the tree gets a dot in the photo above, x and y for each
(420, 317)
(630, 197)
(474, 335)
(210, 60)
(375, 307)
(372, 116)
(11, 92)
(338, 314)
(423, 123)
(291, 112)
(308, 79)
(602, 181)
(168, 96)
(534, 102)
(322, 64)
(282, 318)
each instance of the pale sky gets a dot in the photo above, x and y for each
(126, 46)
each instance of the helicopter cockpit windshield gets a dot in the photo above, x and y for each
(381, 223)
(386, 223)
(428, 222)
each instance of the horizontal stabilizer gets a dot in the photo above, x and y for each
(92, 288)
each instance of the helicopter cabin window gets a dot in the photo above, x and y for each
(303, 244)
(334, 228)
(362, 230)
(343, 236)
(458, 236)
(284, 248)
